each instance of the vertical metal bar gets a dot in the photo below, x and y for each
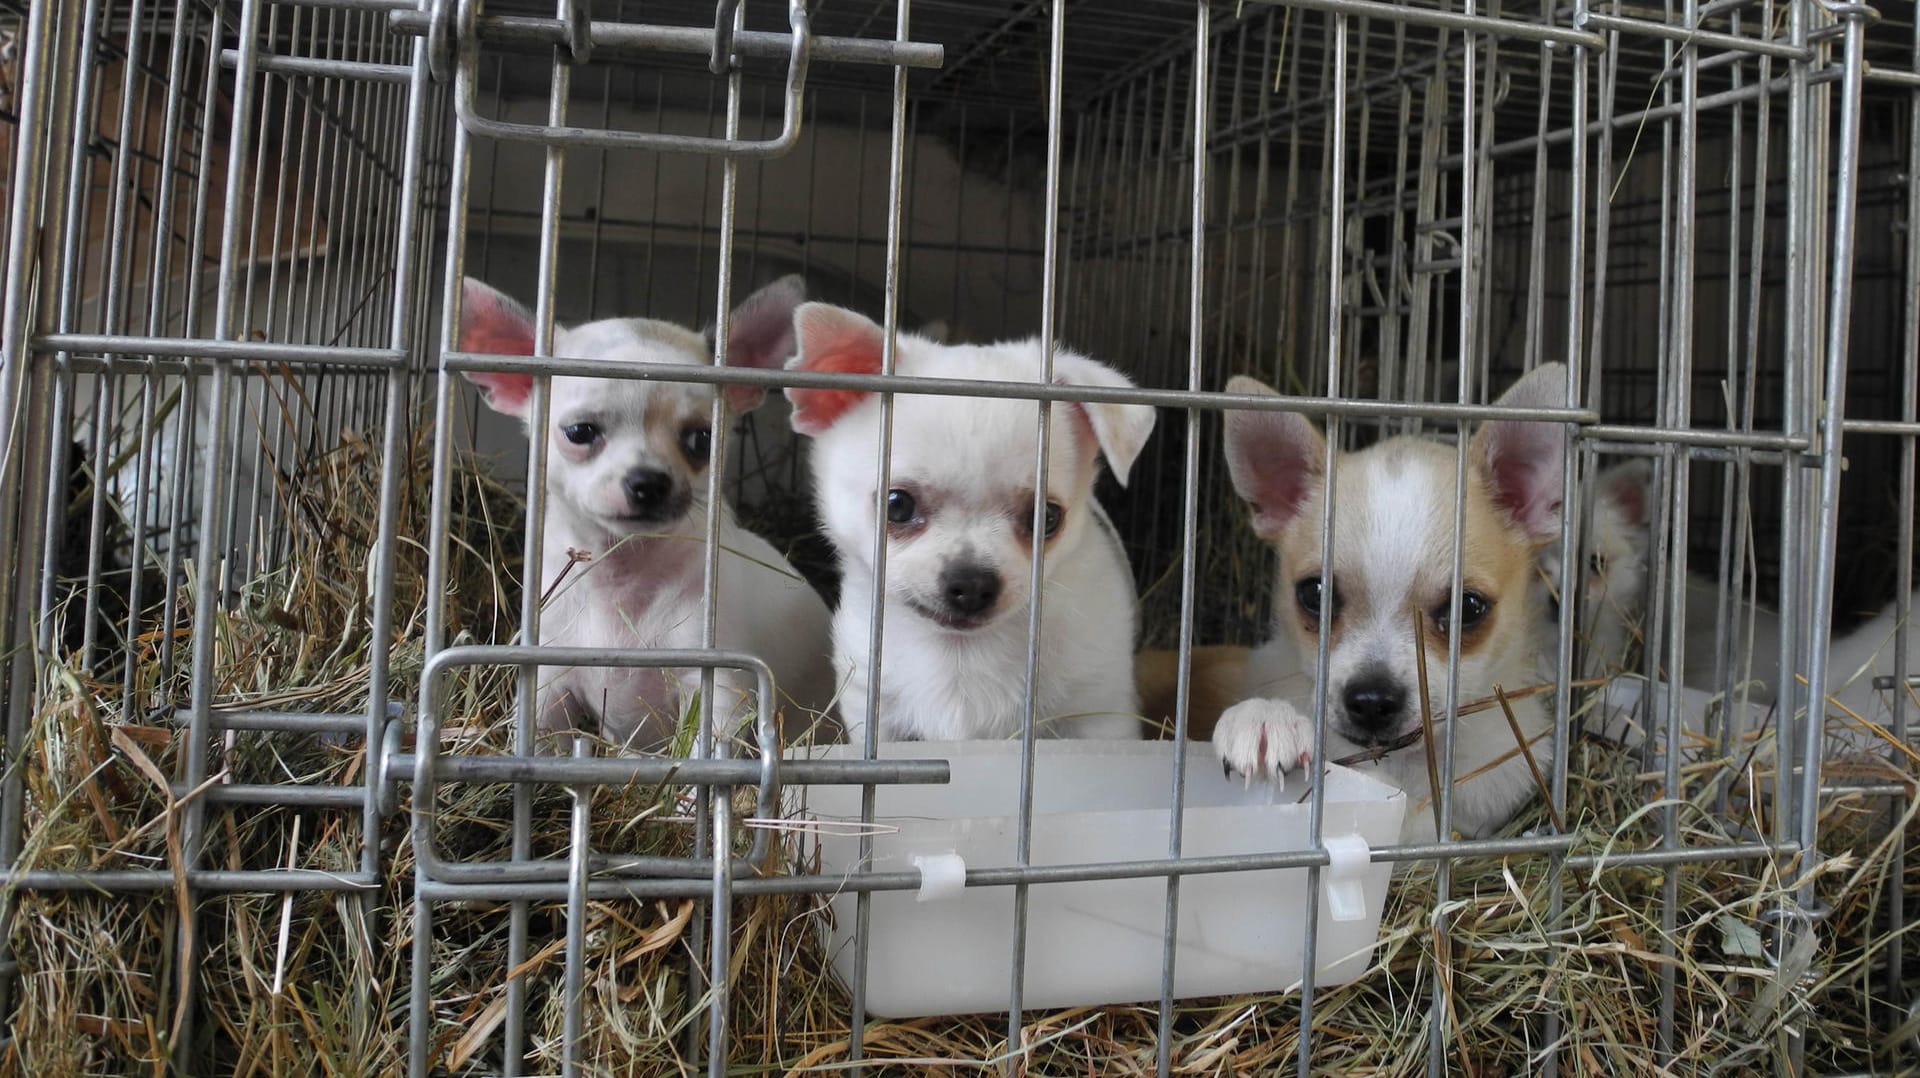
(459, 169)
(712, 739)
(1899, 697)
(870, 741)
(190, 397)
(1797, 358)
(211, 555)
(48, 53)
(1846, 144)
(1049, 299)
(1678, 364)
(1570, 568)
(1469, 265)
(1336, 220)
(112, 310)
(538, 404)
(1189, 528)
(393, 446)
(579, 853)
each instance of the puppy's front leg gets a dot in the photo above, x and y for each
(1264, 738)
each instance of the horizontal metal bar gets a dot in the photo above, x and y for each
(1711, 454)
(522, 32)
(1881, 426)
(1695, 36)
(309, 354)
(1876, 790)
(967, 387)
(291, 795)
(1447, 20)
(272, 880)
(1113, 870)
(653, 771)
(350, 5)
(1685, 855)
(318, 68)
(600, 866)
(1891, 75)
(1718, 7)
(290, 721)
(1725, 439)
(1626, 120)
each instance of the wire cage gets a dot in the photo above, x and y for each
(273, 621)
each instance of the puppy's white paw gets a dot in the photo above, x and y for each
(1264, 739)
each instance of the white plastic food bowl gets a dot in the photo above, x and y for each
(949, 950)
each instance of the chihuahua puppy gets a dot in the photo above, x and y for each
(959, 527)
(1611, 598)
(625, 506)
(1392, 563)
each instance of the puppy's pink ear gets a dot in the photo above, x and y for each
(491, 322)
(1274, 459)
(831, 340)
(760, 334)
(1522, 462)
(1119, 429)
(1629, 486)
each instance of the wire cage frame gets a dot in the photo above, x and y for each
(271, 638)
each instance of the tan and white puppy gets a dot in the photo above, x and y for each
(1392, 562)
(626, 486)
(959, 526)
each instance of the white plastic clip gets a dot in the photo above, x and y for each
(1347, 857)
(942, 875)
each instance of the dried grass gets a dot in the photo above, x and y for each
(98, 976)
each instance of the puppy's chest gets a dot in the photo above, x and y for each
(940, 689)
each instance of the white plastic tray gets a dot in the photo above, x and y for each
(949, 950)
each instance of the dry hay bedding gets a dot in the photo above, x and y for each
(98, 982)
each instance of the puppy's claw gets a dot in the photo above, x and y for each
(1226, 769)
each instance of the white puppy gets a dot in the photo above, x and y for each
(959, 526)
(626, 485)
(1392, 562)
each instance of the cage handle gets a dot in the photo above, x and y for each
(467, 40)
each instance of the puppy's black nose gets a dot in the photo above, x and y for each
(1374, 701)
(969, 589)
(648, 489)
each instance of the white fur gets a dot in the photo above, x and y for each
(641, 584)
(1854, 660)
(1392, 561)
(969, 465)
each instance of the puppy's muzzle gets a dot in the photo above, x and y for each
(969, 591)
(1374, 702)
(651, 495)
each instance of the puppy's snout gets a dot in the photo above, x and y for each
(1374, 701)
(969, 589)
(648, 490)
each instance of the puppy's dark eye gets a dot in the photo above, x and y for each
(1310, 595)
(581, 433)
(900, 507)
(1597, 564)
(1474, 608)
(697, 442)
(1055, 517)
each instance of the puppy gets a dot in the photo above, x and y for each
(1612, 597)
(1392, 563)
(959, 526)
(626, 485)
